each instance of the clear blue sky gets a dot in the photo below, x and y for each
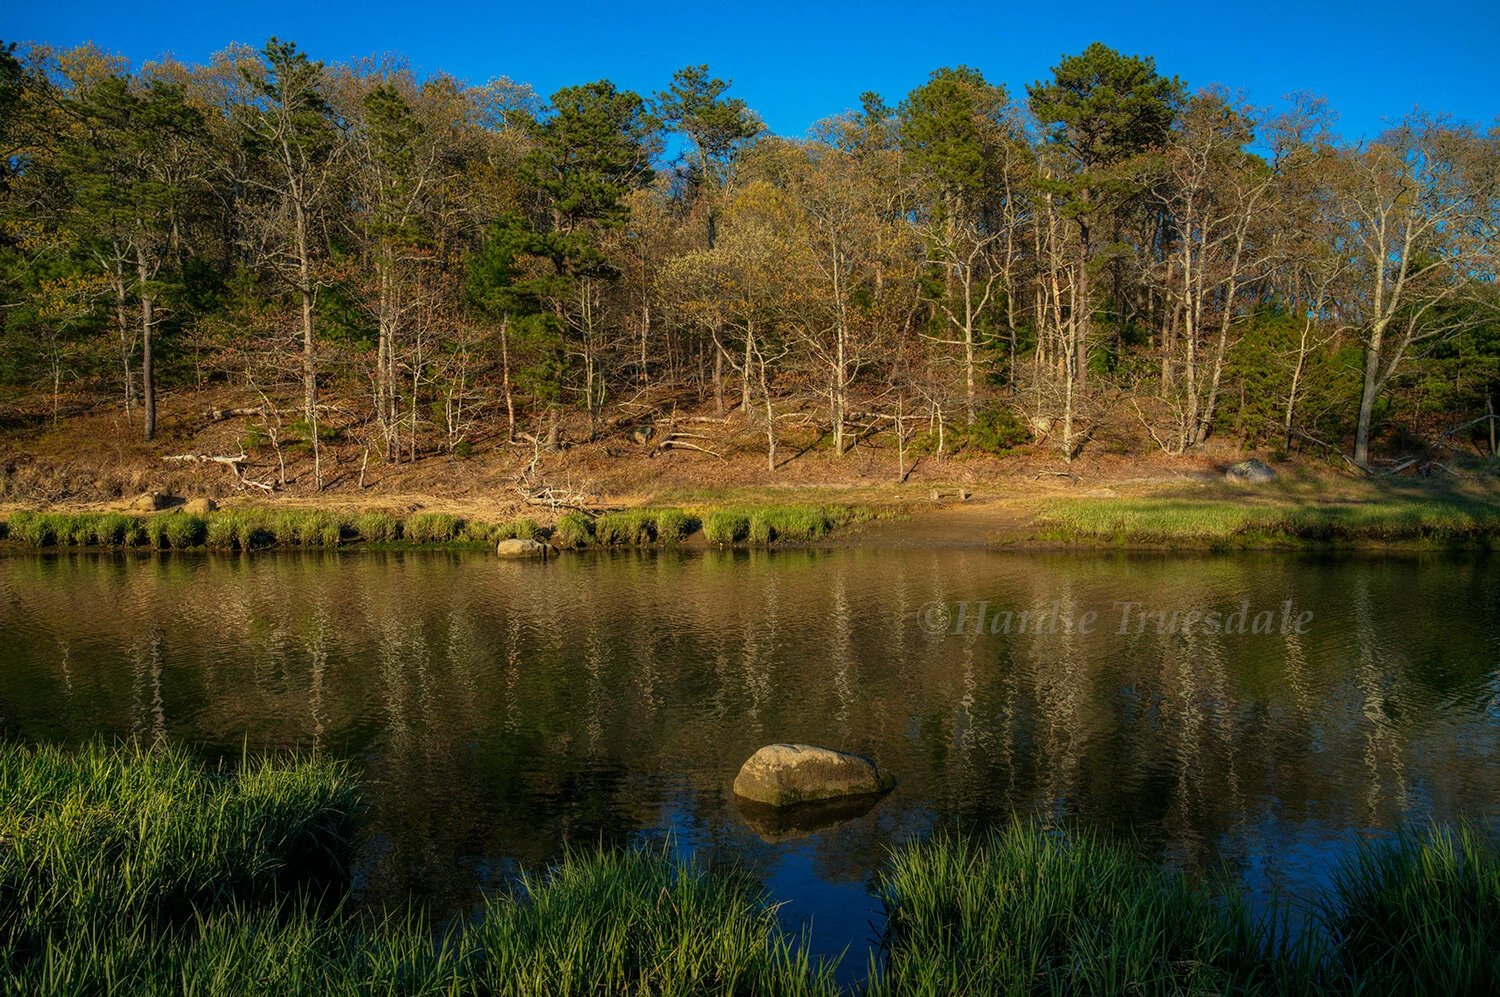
(798, 62)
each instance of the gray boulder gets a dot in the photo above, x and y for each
(151, 502)
(199, 506)
(516, 547)
(1251, 472)
(780, 775)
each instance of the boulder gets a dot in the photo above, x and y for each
(199, 506)
(641, 435)
(151, 502)
(1251, 472)
(516, 547)
(780, 775)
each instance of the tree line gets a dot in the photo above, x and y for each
(417, 260)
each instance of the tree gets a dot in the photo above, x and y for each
(1411, 217)
(1099, 110)
(953, 130)
(290, 126)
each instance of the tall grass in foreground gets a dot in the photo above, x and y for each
(1028, 911)
(119, 834)
(1419, 914)
(123, 871)
(639, 922)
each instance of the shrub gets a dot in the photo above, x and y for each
(574, 529)
(997, 430)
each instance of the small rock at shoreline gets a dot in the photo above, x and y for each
(151, 502)
(780, 775)
(1251, 472)
(516, 547)
(199, 506)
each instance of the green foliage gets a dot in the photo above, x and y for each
(673, 525)
(641, 922)
(1421, 521)
(574, 529)
(997, 429)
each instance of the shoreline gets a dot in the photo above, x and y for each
(1203, 519)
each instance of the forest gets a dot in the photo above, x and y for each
(411, 262)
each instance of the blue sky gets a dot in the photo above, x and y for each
(798, 62)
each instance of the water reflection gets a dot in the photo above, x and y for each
(504, 709)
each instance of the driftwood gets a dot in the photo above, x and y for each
(235, 464)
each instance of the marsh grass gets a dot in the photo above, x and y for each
(1425, 521)
(1418, 914)
(253, 529)
(574, 529)
(640, 922)
(725, 526)
(634, 527)
(1031, 911)
(762, 525)
(431, 528)
(132, 871)
(144, 836)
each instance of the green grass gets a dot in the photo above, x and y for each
(145, 872)
(254, 529)
(1028, 911)
(125, 834)
(640, 527)
(639, 922)
(1223, 524)
(1418, 914)
(762, 525)
(574, 529)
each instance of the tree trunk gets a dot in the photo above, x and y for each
(148, 366)
(1367, 397)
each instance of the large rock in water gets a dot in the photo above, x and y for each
(1251, 472)
(780, 775)
(516, 547)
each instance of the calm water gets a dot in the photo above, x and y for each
(501, 710)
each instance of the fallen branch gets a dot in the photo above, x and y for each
(233, 463)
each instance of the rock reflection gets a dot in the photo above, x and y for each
(777, 824)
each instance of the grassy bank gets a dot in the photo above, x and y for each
(144, 873)
(257, 529)
(1244, 522)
